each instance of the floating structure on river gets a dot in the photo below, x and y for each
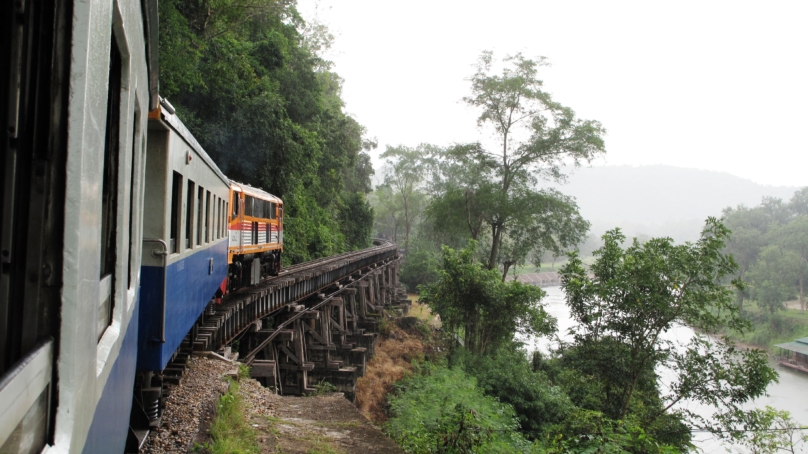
(794, 355)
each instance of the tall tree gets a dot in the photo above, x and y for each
(404, 173)
(634, 295)
(537, 140)
(749, 227)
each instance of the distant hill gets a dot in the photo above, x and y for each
(661, 200)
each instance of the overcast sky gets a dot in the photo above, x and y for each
(709, 85)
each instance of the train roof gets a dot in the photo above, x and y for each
(165, 114)
(255, 192)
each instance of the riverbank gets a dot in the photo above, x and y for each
(771, 329)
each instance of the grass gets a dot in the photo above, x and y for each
(230, 432)
(549, 267)
(768, 330)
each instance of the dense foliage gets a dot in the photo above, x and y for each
(600, 391)
(474, 301)
(770, 244)
(442, 410)
(626, 302)
(246, 79)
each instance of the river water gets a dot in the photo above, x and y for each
(790, 393)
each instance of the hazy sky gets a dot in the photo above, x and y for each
(710, 85)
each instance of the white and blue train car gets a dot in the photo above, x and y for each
(77, 80)
(185, 243)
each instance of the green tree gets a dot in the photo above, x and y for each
(537, 139)
(772, 277)
(793, 237)
(628, 299)
(404, 173)
(248, 81)
(473, 301)
(749, 227)
(770, 431)
(799, 202)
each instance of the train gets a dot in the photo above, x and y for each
(117, 229)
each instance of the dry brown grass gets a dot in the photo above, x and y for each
(393, 361)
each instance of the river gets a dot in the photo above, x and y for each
(790, 393)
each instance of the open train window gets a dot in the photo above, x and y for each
(189, 215)
(176, 212)
(235, 205)
(109, 192)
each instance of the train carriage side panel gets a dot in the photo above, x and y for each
(109, 99)
(188, 193)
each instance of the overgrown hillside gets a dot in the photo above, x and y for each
(246, 79)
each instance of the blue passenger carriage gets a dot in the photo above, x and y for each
(184, 261)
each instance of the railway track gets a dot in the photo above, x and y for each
(315, 321)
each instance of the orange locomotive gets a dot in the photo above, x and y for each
(255, 242)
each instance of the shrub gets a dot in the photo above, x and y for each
(443, 410)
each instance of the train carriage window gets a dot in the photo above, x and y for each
(189, 215)
(176, 195)
(109, 191)
(200, 216)
(248, 206)
(214, 219)
(207, 216)
(131, 188)
(272, 210)
(235, 205)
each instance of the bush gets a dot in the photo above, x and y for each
(443, 410)
(508, 376)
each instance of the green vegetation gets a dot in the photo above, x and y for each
(599, 392)
(443, 410)
(472, 300)
(770, 244)
(771, 329)
(248, 81)
(230, 432)
(449, 195)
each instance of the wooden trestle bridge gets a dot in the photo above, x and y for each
(316, 321)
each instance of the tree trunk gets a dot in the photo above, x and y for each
(506, 266)
(802, 295)
(496, 234)
(407, 236)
